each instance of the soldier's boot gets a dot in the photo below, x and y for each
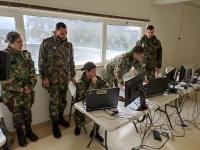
(56, 130)
(21, 137)
(77, 131)
(62, 121)
(97, 136)
(29, 134)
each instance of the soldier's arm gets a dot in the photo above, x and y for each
(81, 91)
(42, 61)
(119, 70)
(32, 75)
(138, 43)
(104, 84)
(100, 83)
(12, 85)
(139, 66)
(72, 64)
(159, 56)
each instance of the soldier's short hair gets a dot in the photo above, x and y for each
(60, 25)
(150, 27)
(88, 66)
(11, 37)
(138, 49)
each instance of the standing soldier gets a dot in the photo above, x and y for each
(56, 67)
(153, 52)
(116, 68)
(18, 93)
(88, 80)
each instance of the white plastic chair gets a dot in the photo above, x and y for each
(72, 90)
(169, 68)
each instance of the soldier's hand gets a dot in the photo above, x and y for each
(94, 80)
(158, 70)
(133, 71)
(27, 90)
(45, 83)
(122, 87)
(145, 82)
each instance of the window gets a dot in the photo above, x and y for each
(7, 24)
(84, 35)
(121, 39)
(94, 39)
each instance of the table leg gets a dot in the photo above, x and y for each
(135, 126)
(106, 145)
(93, 136)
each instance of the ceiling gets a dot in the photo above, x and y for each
(167, 2)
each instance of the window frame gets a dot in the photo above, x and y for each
(117, 22)
(18, 14)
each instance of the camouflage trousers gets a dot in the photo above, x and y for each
(57, 102)
(109, 77)
(20, 105)
(79, 118)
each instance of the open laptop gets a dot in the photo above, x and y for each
(98, 99)
(157, 86)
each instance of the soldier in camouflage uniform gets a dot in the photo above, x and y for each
(88, 80)
(56, 67)
(153, 52)
(18, 93)
(115, 69)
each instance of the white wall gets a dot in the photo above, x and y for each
(128, 8)
(173, 21)
(189, 46)
(167, 21)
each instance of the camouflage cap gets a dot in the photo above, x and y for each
(88, 66)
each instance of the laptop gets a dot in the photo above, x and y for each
(157, 86)
(98, 99)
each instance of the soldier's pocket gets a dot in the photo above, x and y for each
(8, 100)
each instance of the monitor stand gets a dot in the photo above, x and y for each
(173, 88)
(141, 104)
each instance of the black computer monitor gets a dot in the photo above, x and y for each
(171, 75)
(157, 86)
(4, 66)
(182, 74)
(134, 89)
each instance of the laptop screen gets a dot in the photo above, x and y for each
(97, 99)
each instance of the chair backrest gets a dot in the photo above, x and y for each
(72, 89)
(168, 69)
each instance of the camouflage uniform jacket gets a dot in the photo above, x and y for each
(84, 84)
(56, 60)
(120, 65)
(153, 52)
(22, 73)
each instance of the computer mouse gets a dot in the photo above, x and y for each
(114, 112)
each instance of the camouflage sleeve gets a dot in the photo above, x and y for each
(120, 66)
(159, 56)
(12, 85)
(139, 66)
(72, 64)
(81, 91)
(104, 84)
(32, 74)
(100, 83)
(138, 43)
(42, 60)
